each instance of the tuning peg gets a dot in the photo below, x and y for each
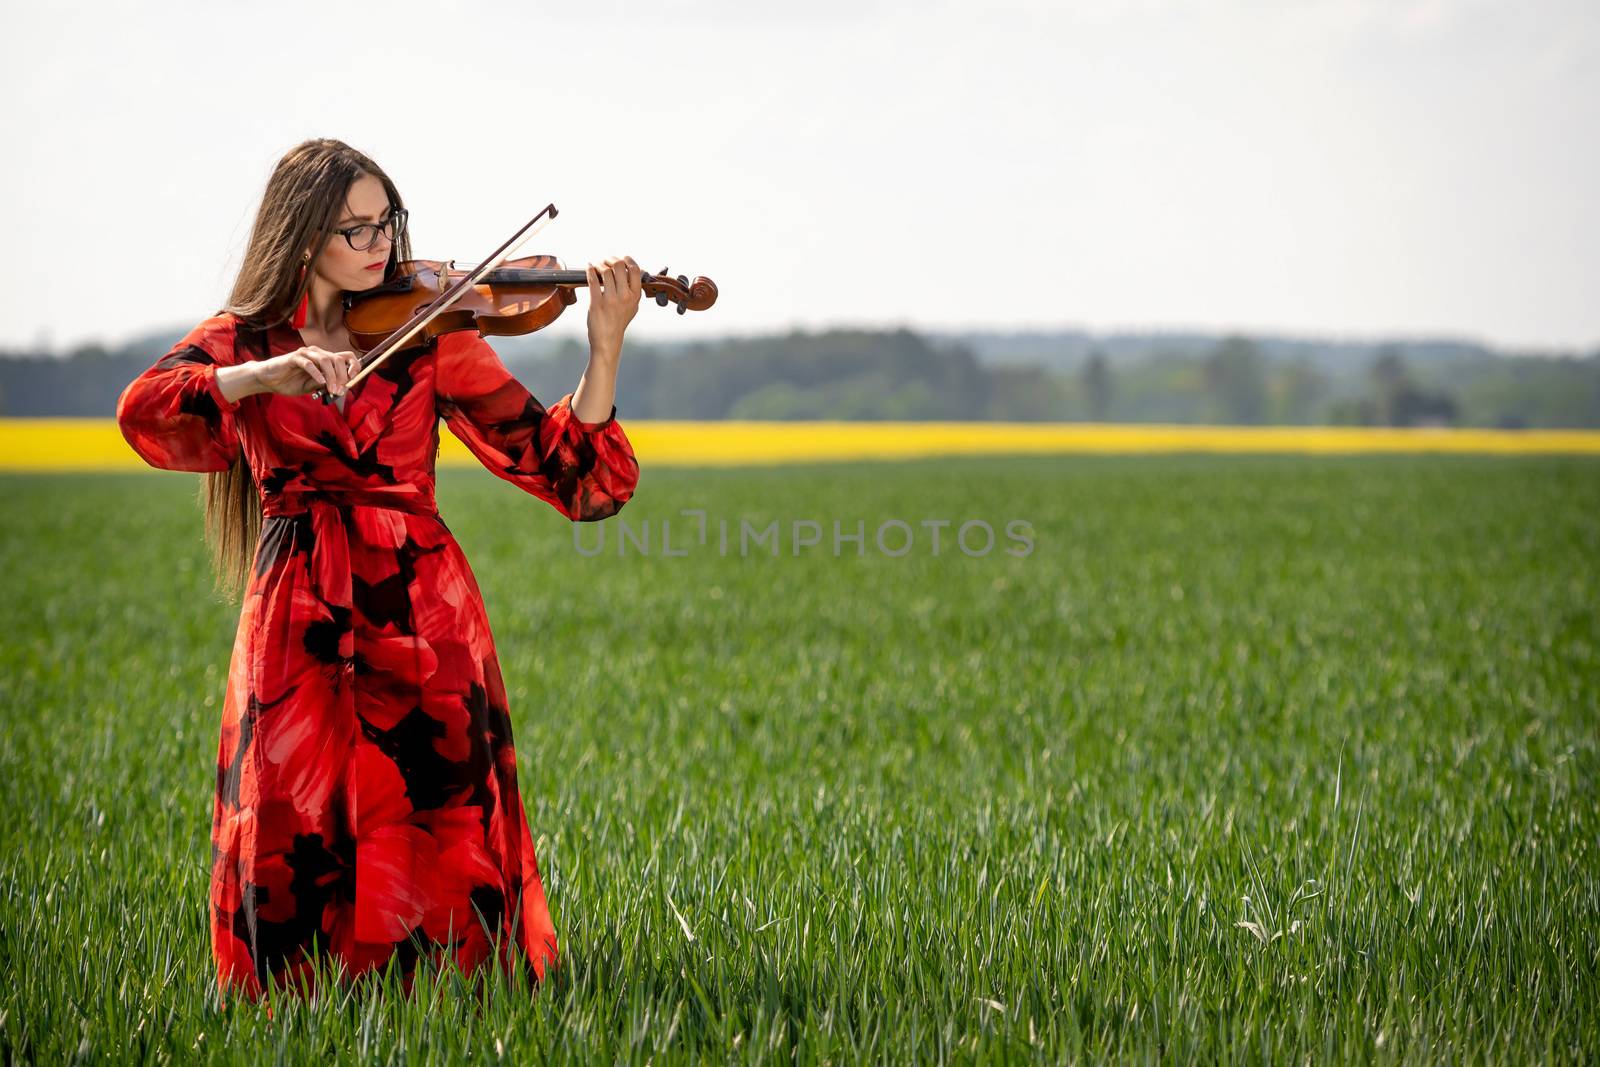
(662, 273)
(682, 307)
(661, 298)
(683, 280)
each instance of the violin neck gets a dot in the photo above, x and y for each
(535, 276)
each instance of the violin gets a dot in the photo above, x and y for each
(499, 296)
(518, 297)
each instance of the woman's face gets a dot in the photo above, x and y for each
(345, 267)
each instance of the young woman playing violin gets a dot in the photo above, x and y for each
(367, 806)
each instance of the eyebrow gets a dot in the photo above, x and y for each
(364, 218)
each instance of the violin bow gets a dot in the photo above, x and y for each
(442, 302)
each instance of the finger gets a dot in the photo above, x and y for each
(312, 371)
(330, 374)
(316, 357)
(613, 283)
(334, 366)
(342, 363)
(594, 282)
(635, 275)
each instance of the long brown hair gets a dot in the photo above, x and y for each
(304, 199)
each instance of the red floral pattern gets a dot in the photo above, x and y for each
(366, 801)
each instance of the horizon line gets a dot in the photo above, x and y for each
(44, 344)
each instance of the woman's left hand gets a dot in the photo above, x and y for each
(614, 289)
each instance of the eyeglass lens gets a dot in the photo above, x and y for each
(364, 237)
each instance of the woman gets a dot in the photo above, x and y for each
(366, 802)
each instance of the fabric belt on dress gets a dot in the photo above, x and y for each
(330, 550)
(298, 501)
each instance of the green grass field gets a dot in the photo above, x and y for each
(1263, 759)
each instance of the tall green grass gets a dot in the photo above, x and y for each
(1252, 758)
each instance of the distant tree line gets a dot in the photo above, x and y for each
(901, 374)
(1235, 384)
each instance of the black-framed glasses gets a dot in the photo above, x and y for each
(365, 236)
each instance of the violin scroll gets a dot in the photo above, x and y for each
(689, 296)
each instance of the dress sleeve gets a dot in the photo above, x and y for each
(174, 414)
(586, 470)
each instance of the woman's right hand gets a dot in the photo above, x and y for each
(307, 370)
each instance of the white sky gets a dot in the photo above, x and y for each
(1332, 167)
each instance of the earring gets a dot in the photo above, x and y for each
(299, 319)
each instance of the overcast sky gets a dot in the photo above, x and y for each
(1335, 168)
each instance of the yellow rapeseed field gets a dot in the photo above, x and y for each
(96, 444)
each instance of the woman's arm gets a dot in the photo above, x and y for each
(585, 468)
(614, 290)
(238, 382)
(596, 394)
(176, 415)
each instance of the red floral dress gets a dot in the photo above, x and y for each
(366, 799)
